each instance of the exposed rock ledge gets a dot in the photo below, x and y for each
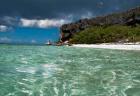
(130, 18)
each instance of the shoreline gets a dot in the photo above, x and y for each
(125, 46)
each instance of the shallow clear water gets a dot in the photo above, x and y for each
(68, 71)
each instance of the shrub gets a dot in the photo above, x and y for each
(114, 33)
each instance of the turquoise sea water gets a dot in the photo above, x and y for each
(68, 71)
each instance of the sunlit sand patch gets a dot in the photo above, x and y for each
(49, 65)
(29, 80)
(24, 60)
(50, 69)
(10, 94)
(26, 91)
(30, 70)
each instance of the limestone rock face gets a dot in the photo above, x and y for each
(130, 18)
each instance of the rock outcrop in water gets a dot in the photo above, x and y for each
(130, 18)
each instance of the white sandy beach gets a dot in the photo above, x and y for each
(110, 46)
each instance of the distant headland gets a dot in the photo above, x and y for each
(116, 27)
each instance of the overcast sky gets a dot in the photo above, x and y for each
(54, 13)
(56, 8)
(14, 11)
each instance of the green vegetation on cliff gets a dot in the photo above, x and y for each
(116, 27)
(114, 33)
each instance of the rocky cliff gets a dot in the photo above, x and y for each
(130, 17)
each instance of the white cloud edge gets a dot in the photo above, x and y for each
(3, 28)
(42, 23)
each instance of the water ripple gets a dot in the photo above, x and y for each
(66, 71)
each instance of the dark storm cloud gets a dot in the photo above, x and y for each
(54, 8)
(38, 12)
